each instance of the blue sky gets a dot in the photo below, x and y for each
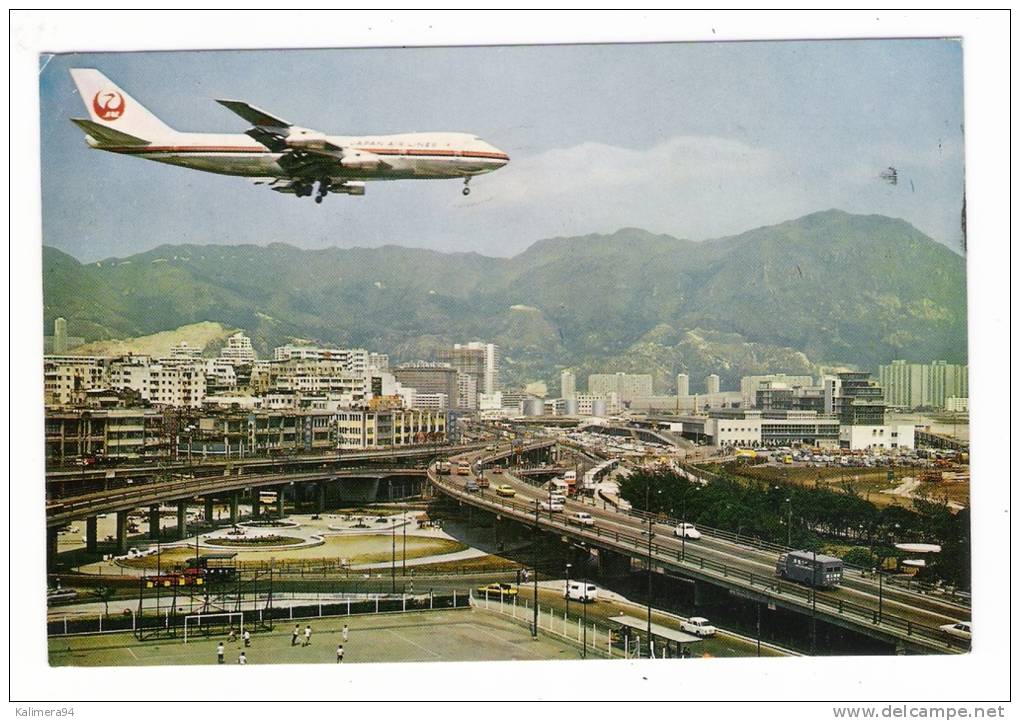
(697, 140)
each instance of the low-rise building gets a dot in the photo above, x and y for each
(72, 436)
(366, 428)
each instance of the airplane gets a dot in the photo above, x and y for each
(273, 152)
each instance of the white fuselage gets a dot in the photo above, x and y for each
(406, 156)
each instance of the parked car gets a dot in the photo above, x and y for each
(961, 629)
(687, 530)
(698, 625)
(505, 491)
(497, 589)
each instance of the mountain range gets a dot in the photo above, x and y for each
(826, 290)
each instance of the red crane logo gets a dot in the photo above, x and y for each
(108, 105)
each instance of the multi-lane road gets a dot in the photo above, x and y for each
(862, 602)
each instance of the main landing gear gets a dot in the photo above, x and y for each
(323, 191)
(467, 190)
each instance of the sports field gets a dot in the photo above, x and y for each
(453, 635)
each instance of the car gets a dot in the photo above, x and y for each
(698, 625)
(505, 491)
(551, 506)
(960, 629)
(471, 487)
(482, 482)
(497, 589)
(581, 518)
(497, 470)
(687, 530)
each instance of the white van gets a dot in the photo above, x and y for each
(581, 518)
(576, 591)
(558, 498)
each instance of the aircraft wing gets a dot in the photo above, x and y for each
(253, 115)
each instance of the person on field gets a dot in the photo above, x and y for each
(242, 659)
(294, 634)
(247, 638)
(340, 653)
(219, 652)
(344, 633)
(308, 636)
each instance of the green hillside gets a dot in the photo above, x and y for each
(828, 288)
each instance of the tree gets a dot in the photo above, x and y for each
(860, 556)
(104, 594)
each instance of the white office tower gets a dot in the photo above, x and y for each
(683, 384)
(712, 384)
(568, 384)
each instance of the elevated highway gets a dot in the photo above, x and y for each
(905, 619)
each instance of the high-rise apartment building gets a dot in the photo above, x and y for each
(917, 385)
(683, 384)
(238, 349)
(712, 384)
(478, 360)
(429, 378)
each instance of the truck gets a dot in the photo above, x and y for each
(812, 569)
(581, 591)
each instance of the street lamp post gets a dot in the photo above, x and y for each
(584, 603)
(568, 590)
(534, 571)
(789, 523)
(879, 572)
(393, 558)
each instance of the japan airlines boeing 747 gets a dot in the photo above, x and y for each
(273, 152)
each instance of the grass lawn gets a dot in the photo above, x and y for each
(365, 548)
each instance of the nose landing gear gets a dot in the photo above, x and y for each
(323, 191)
(467, 190)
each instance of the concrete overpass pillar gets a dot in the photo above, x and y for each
(256, 505)
(233, 508)
(122, 539)
(154, 521)
(51, 545)
(320, 497)
(209, 509)
(613, 564)
(91, 534)
(279, 502)
(182, 520)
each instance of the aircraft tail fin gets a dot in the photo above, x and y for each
(110, 107)
(104, 135)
